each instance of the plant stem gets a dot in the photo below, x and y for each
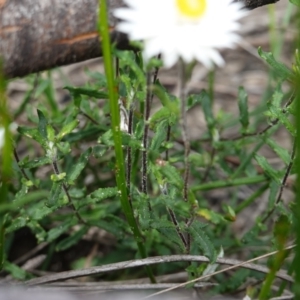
(115, 124)
(129, 155)
(145, 139)
(183, 123)
(186, 142)
(65, 189)
(5, 160)
(229, 183)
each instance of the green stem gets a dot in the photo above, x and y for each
(252, 198)
(246, 161)
(115, 125)
(5, 160)
(228, 183)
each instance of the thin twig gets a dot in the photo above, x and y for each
(149, 98)
(175, 222)
(168, 139)
(244, 264)
(288, 171)
(30, 253)
(183, 123)
(273, 123)
(145, 139)
(65, 189)
(18, 160)
(110, 286)
(89, 118)
(155, 75)
(185, 138)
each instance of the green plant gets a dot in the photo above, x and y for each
(139, 191)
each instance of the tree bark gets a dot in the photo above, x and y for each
(37, 35)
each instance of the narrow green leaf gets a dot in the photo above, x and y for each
(165, 98)
(63, 147)
(127, 59)
(207, 108)
(41, 211)
(243, 107)
(279, 68)
(87, 92)
(282, 152)
(79, 166)
(50, 94)
(168, 230)
(92, 131)
(277, 97)
(202, 240)
(23, 191)
(50, 133)
(37, 230)
(32, 133)
(162, 114)
(268, 169)
(274, 188)
(100, 78)
(172, 174)
(285, 120)
(42, 126)
(112, 224)
(104, 193)
(77, 100)
(16, 224)
(15, 271)
(72, 239)
(159, 137)
(193, 100)
(41, 88)
(67, 129)
(281, 233)
(143, 211)
(57, 231)
(36, 162)
(56, 193)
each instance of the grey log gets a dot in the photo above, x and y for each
(40, 35)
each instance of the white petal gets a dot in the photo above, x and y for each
(159, 24)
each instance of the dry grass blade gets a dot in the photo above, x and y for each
(161, 259)
(240, 264)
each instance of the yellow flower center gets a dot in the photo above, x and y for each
(191, 8)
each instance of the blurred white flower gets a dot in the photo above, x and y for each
(2, 136)
(12, 128)
(187, 29)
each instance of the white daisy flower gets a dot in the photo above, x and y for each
(187, 29)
